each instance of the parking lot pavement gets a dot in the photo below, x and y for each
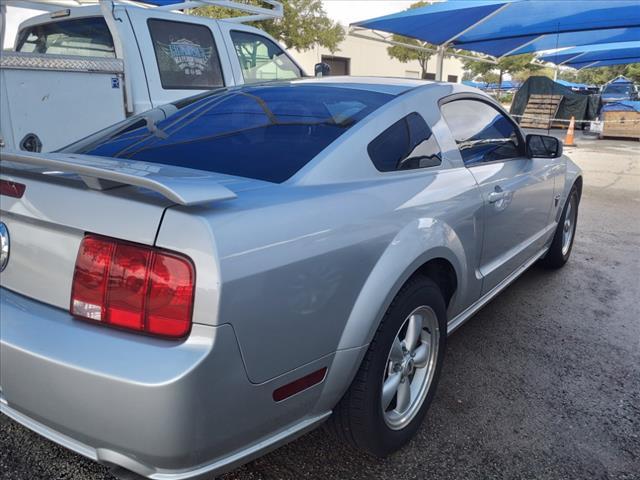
(543, 383)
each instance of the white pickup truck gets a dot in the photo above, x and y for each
(81, 69)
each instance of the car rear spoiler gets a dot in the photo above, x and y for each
(183, 186)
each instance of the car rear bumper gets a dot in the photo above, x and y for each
(165, 410)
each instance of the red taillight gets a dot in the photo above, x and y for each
(133, 286)
(128, 286)
(170, 296)
(90, 278)
(12, 189)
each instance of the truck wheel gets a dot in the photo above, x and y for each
(396, 382)
(562, 243)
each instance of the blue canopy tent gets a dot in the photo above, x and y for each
(471, 83)
(591, 37)
(579, 57)
(578, 87)
(572, 85)
(505, 85)
(509, 27)
(606, 63)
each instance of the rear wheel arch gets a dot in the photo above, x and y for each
(439, 265)
(443, 274)
(578, 185)
(428, 246)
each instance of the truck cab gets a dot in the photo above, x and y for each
(81, 69)
(619, 89)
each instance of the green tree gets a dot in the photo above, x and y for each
(405, 54)
(602, 75)
(518, 66)
(489, 77)
(633, 72)
(304, 24)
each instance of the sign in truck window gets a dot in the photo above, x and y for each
(186, 54)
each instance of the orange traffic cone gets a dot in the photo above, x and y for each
(568, 140)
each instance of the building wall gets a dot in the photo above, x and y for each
(367, 57)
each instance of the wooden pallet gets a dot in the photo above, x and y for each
(621, 124)
(540, 111)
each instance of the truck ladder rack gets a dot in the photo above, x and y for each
(255, 12)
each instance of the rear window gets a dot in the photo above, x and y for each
(83, 37)
(186, 54)
(619, 89)
(263, 132)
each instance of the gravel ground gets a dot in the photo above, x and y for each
(543, 383)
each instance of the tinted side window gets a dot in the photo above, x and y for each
(186, 54)
(482, 133)
(407, 144)
(84, 37)
(262, 60)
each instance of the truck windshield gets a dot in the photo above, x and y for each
(85, 37)
(267, 132)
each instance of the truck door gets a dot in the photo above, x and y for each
(181, 57)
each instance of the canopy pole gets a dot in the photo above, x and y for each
(3, 24)
(478, 23)
(444, 45)
(356, 32)
(589, 65)
(572, 58)
(513, 52)
(440, 62)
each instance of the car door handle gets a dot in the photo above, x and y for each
(496, 196)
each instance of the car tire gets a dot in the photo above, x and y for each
(562, 242)
(359, 418)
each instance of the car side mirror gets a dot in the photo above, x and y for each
(543, 146)
(322, 69)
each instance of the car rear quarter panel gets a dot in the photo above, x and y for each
(306, 268)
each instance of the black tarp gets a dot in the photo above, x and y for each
(580, 106)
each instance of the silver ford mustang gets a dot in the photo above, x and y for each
(190, 288)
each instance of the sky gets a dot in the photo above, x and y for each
(348, 11)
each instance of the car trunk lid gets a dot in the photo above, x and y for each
(67, 196)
